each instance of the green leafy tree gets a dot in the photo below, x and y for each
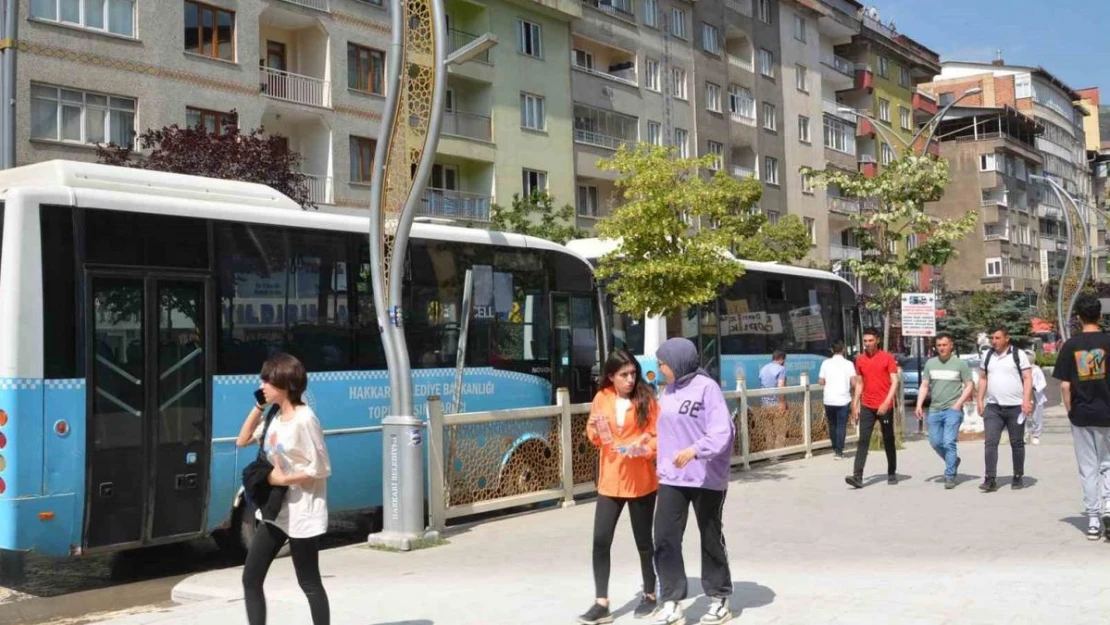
(536, 216)
(962, 330)
(673, 225)
(893, 209)
(787, 241)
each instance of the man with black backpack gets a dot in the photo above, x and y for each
(1005, 395)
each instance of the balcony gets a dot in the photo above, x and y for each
(868, 166)
(295, 87)
(603, 128)
(739, 49)
(1002, 199)
(598, 139)
(457, 39)
(606, 62)
(468, 125)
(620, 9)
(319, 5)
(833, 109)
(924, 104)
(453, 204)
(993, 233)
(839, 64)
(306, 133)
(865, 79)
(844, 205)
(739, 171)
(744, 64)
(293, 61)
(844, 252)
(864, 128)
(319, 189)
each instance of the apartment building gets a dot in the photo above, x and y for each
(991, 152)
(1062, 144)
(312, 71)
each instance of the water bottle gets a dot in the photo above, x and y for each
(603, 431)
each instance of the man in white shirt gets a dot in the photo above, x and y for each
(1005, 394)
(838, 376)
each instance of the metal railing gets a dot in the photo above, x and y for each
(457, 39)
(996, 201)
(608, 76)
(319, 5)
(741, 63)
(743, 172)
(840, 64)
(833, 108)
(477, 463)
(844, 252)
(295, 87)
(997, 236)
(600, 140)
(743, 119)
(612, 9)
(455, 205)
(469, 125)
(319, 189)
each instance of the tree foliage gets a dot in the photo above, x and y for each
(973, 312)
(536, 216)
(787, 241)
(228, 154)
(673, 226)
(893, 209)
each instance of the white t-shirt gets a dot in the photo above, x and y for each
(297, 446)
(622, 409)
(837, 372)
(1004, 381)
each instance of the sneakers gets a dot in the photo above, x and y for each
(1106, 520)
(1094, 529)
(854, 481)
(892, 479)
(596, 614)
(989, 485)
(838, 456)
(1036, 440)
(949, 483)
(1018, 483)
(646, 607)
(669, 614)
(718, 612)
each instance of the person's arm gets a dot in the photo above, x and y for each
(1065, 394)
(718, 429)
(857, 394)
(592, 434)
(310, 437)
(1027, 392)
(782, 384)
(250, 425)
(922, 391)
(888, 403)
(982, 398)
(650, 440)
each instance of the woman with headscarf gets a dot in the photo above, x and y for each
(695, 436)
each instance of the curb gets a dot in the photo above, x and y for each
(186, 592)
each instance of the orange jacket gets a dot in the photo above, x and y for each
(619, 475)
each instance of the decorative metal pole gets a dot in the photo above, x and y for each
(415, 81)
(1074, 274)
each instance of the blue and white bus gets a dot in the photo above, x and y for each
(798, 310)
(137, 307)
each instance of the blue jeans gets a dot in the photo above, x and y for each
(838, 426)
(944, 427)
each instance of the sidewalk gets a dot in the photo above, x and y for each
(804, 548)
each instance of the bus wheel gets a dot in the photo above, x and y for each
(529, 469)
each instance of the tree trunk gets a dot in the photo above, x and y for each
(886, 330)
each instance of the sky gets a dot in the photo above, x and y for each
(1066, 37)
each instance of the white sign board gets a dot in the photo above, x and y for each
(919, 314)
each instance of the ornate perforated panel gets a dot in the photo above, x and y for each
(492, 460)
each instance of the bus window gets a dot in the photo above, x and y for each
(433, 295)
(138, 239)
(627, 331)
(317, 317)
(62, 339)
(253, 282)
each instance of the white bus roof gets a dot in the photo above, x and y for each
(92, 185)
(595, 248)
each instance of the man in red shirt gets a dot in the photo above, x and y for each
(874, 401)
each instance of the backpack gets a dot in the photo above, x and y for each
(1013, 350)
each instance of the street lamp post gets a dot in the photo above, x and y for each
(416, 80)
(1070, 286)
(935, 119)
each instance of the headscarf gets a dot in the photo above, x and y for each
(681, 355)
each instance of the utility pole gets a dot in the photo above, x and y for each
(8, 30)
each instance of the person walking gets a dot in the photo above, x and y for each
(1085, 388)
(1040, 400)
(622, 426)
(838, 376)
(1005, 394)
(874, 402)
(776, 417)
(293, 442)
(695, 442)
(947, 379)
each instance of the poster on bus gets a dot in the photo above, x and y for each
(919, 314)
(808, 325)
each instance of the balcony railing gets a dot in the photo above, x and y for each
(627, 77)
(457, 39)
(600, 140)
(295, 87)
(319, 5)
(319, 189)
(843, 252)
(455, 205)
(845, 205)
(740, 171)
(840, 64)
(996, 201)
(610, 7)
(741, 62)
(740, 118)
(997, 236)
(833, 108)
(466, 125)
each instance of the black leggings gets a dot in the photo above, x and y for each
(670, 526)
(606, 515)
(268, 541)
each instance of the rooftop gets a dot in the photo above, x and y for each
(1036, 70)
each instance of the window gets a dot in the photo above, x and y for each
(769, 122)
(532, 114)
(651, 13)
(803, 129)
(773, 217)
(582, 59)
(655, 133)
(840, 135)
(533, 181)
(718, 152)
(604, 128)
(362, 158)
(365, 69)
(209, 31)
(213, 121)
(807, 184)
(681, 141)
(770, 170)
(946, 98)
(904, 114)
(678, 83)
(678, 23)
(800, 28)
(994, 266)
(63, 114)
(884, 110)
(710, 42)
(741, 102)
(654, 81)
(113, 16)
(884, 67)
(766, 63)
(1023, 86)
(713, 97)
(987, 162)
(529, 39)
(587, 201)
(904, 77)
(764, 7)
(801, 78)
(887, 154)
(811, 228)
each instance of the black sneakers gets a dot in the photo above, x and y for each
(854, 481)
(949, 483)
(892, 479)
(646, 607)
(989, 485)
(1018, 483)
(595, 615)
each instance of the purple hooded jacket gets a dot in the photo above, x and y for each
(693, 413)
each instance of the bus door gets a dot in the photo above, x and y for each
(148, 358)
(574, 357)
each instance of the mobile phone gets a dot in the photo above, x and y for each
(259, 397)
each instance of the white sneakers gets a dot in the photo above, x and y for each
(718, 612)
(671, 613)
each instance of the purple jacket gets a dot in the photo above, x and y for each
(695, 414)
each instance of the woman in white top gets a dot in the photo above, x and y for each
(294, 445)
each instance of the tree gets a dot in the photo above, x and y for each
(787, 241)
(973, 312)
(892, 209)
(673, 226)
(227, 154)
(553, 224)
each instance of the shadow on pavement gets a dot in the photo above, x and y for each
(745, 596)
(881, 479)
(1078, 522)
(416, 622)
(759, 472)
